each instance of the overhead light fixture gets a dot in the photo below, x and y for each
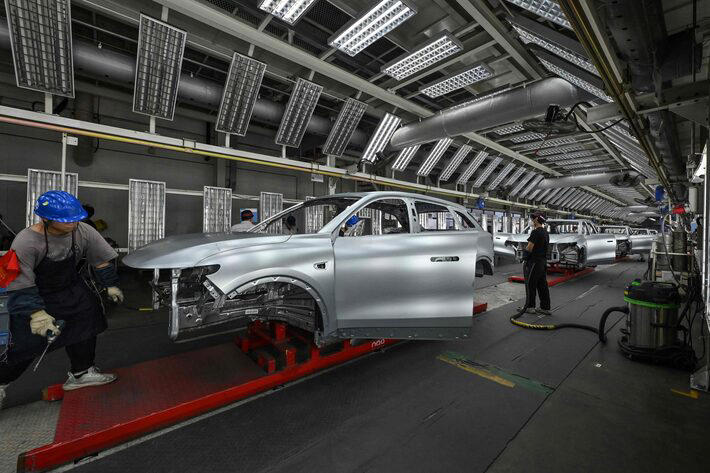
(286, 10)
(298, 113)
(501, 175)
(471, 168)
(535, 193)
(344, 127)
(41, 44)
(158, 62)
(455, 162)
(547, 9)
(573, 154)
(509, 129)
(527, 137)
(239, 95)
(547, 143)
(381, 138)
(425, 55)
(560, 149)
(579, 82)
(404, 157)
(514, 177)
(545, 199)
(434, 156)
(531, 185)
(567, 54)
(457, 81)
(487, 171)
(519, 186)
(361, 32)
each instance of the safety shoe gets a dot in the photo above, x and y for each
(544, 312)
(529, 310)
(3, 387)
(90, 377)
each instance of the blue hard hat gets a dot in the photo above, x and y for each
(60, 206)
(352, 221)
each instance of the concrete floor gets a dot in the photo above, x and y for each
(574, 404)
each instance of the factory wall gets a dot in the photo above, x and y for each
(114, 162)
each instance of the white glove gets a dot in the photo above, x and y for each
(41, 322)
(115, 294)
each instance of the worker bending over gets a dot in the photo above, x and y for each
(535, 266)
(49, 288)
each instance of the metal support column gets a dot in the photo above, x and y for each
(64, 160)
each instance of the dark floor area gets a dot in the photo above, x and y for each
(575, 405)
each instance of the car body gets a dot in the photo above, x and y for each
(622, 235)
(573, 243)
(405, 269)
(635, 241)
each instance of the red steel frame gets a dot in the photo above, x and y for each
(567, 274)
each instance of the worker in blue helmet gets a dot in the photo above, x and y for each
(49, 289)
(348, 227)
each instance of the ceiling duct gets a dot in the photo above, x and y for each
(113, 66)
(517, 104)
(619, 179)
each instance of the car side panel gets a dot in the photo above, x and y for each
(600, 248)
(641, 244)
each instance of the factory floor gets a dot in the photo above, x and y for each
(506, 400)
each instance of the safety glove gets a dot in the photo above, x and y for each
(115, 294)
(41, 322)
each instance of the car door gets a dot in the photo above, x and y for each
(601, 247)
(641, 241)
(413, 284)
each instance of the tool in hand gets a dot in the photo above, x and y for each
(51, 337)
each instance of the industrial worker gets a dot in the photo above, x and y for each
(49, 289)
(535, 266)
(290, 227)
(246, 223)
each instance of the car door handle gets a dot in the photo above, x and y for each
(610, 241)
(444, 259)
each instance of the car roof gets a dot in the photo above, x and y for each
(379, 194)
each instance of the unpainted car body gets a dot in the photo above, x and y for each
(389, 275)
(642, 240)
(573, 243)
(622, 235)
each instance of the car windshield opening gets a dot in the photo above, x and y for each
(308, 217)
(561, 228)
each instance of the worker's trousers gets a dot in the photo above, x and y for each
(81, 355)
(535, 272)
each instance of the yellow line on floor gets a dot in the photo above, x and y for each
(479, 371)
(693, 394)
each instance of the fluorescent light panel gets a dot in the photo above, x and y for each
(383, 133)
(501, 175)
(527, 137)
(286, 10)
(344, 127)
(471, 168)
(457, 81)
(371, 26)
(547, 9)
(487, 171)
(558, 150)
(434, 156)
(573, 154)
(548, 143)
(557, 49)
(509, 129)
(424, 56)
(299, 111)
(516, 175)
(581, 83)
(518, 187)
(41, 44)
(239, 95)
(531, 185)
(455, 162)
(404, 157)
(158, 62)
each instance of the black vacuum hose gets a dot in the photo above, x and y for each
(602, 322)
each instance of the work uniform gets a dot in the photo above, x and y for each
(242, 226)
(49, 280)
(535, 269)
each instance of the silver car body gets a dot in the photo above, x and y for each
(642, 240)
(622, 235)
(573, 243)
(412, 283)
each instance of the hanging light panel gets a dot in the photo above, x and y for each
(381, 138)
(547, 9)
(509, 129)
(514, 177)
(344, 127)
(431, 52)
(455, 162)
(501, 175)
(457, 81)
(371, 26)
(404, 157)
(471, 168)
(487, 171)
(434, 156)
(239, 95)
(41, 44)
(298, 113)
(288, 11)
(579, 82)
(518, 187)
(567, 54)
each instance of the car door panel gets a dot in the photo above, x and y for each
(601, 249)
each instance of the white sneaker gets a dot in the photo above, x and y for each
(91, 377)
(2, 393)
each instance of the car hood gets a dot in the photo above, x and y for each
(556, 239)
(185, 251)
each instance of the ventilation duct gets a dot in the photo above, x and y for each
(520, 103)
(619, 179)
(113, 66)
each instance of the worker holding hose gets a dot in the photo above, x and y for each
(535, 266)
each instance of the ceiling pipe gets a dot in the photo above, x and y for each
(517, 104)
(619, 179)
(107, 64)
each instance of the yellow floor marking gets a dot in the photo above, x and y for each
(693, 394)
(479, 371)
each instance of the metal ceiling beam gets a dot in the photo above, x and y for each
(490, 22)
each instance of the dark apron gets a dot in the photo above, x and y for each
(66, 297)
